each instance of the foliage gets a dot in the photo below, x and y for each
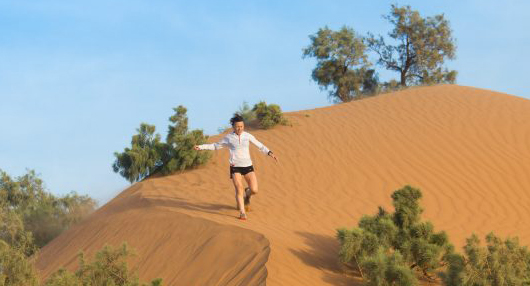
(109, 268)
(499, 263)
(342, 65)
(148, 155)
(246, 112)
(15, 269)
(31, 216)
(178, 153)
(142, 158)
(393, 247)
(423, 45)
(268, 115)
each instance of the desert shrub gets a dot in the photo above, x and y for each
(178, 154)
(394, 247)
(148, 155)
(109, 268)
(15, 269)
(246, 112)
(268, 115)
(498, 263)
(30, 216)
(142, 158)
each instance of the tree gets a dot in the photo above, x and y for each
(142, 159)
(423, 45)
(30, 216)
(388, 249)
(178, 153)
(342, 65)
(499, 263)
(109, 268)
(268, 115)
(15, 269)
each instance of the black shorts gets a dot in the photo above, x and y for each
(242, 170)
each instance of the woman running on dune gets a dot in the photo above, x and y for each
(240, 163)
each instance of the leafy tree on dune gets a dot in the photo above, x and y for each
(342, 64)
(422, 45)
(392, 248)
(142, 159)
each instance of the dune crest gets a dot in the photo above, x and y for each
(467, 149)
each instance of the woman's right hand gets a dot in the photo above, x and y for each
(196, 148)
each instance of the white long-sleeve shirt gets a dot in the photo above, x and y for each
(239, 148)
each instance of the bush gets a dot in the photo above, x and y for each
(394, 247)
(108, 268)
(246, 112)
(148, 155)
(268, 115)
(30, 216)
(178, 153)
(142, 158)
(15, 269)
(499, 263)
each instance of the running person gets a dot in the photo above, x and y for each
(240, 163)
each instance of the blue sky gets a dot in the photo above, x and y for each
(78, 77)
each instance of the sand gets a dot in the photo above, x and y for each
(467, 149)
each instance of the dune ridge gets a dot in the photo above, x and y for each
(467, 149)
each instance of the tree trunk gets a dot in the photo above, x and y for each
(403, 78)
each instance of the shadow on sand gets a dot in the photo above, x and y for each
(175, 202)
(323, 254)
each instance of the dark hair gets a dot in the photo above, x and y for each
(236, 118)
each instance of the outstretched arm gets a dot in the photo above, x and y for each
(262, 147)
(213, 146)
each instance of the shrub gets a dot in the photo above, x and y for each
(15, 269)
(386, 247)
(148, 155)
(246, 112)
(178, 153)
(268, 115)
(108, 268)
(499, 263)
(142, 158)
(30, 216)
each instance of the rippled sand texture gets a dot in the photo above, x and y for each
(467, 149)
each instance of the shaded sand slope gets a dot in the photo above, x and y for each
(467, 149)
(183, 250)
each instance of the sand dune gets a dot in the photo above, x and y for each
(467, 149)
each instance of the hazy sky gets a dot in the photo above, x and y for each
(78, 77)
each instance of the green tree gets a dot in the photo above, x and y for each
(143, 158)
(28, 207)
(109, 268)
(388, 246)
(422, 46)
(342, 64)
(268, 115)
(499, 263)
(15, 269)
(246, 112)
(178, 153)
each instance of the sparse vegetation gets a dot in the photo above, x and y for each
(392, 248)
(342, 64)
(269, 115)
(422, 47)
(109, 268)
(30, 216)
(397, 248)
(246, 112)
(499, 263)
(148, 155)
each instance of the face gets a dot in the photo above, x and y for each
(239, 127)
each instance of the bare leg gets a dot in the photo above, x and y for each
(240, 191)
(252, 182)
